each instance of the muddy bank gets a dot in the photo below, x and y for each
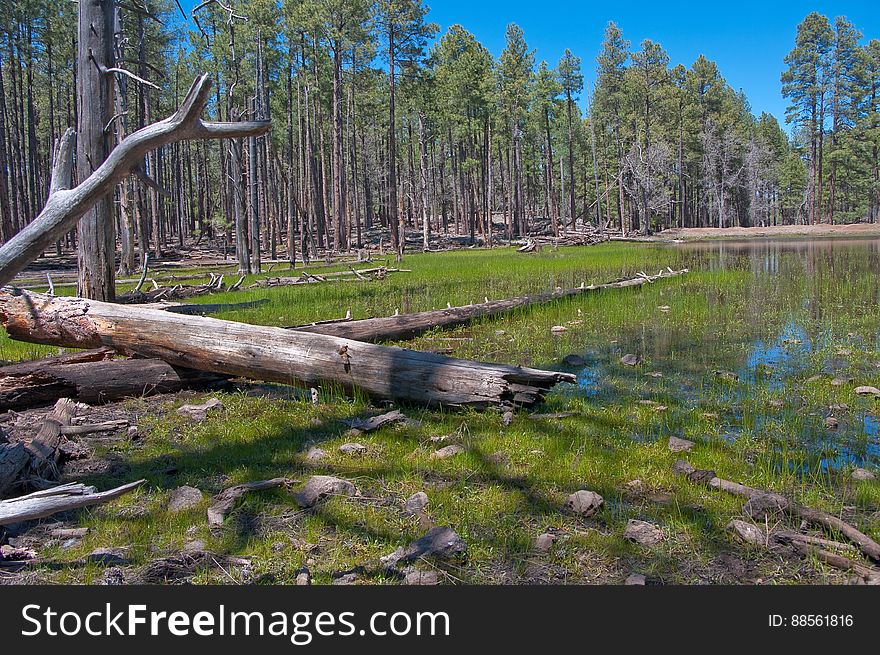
(774, 231)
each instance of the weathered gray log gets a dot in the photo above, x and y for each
(272, 354)
(407, 326)
(89, 377)
(14, 458)
(41, 504)
(44, 448)
(223, 502)
(65, 205)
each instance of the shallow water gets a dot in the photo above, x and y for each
(795, 320)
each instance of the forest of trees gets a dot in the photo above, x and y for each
(381, 124)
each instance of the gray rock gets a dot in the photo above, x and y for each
(507, 418)
(109, 556)
(303, 577)
(747, 532)
(415, 577)
(861, 475)
(635, 579)
(184, 498)
(678, 445)
(831, 423)
(544, 542)
(416, 503)
(447, 452)
(352, 449)
(113, 577)
(643, 533)
(315, 455)
(440, 542)
(682, 467)
(630, 360)
(584, 503)
(320, 487)
(200, 412)
(194, 546)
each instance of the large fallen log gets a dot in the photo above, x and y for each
(272, 354)
(407, 326)
(41, 504)
(91, 377)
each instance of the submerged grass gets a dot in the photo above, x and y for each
(792, 332)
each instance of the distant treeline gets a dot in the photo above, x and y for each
(381, 122)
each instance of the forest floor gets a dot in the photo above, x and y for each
(755, 419)
(824, 230)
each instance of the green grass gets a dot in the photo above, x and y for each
(765, 429)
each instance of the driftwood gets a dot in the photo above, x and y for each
(226, 499)
(868, 574)
(65, 205)
(867, 545)
(41, 504)
(14, 457)
(272, 354)
(406, 326)
(91, 377)
(352, 275)
(44, 448)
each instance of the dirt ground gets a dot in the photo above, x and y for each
(823, 230)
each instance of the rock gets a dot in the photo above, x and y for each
(194, 546)
(682, 467)
(543, 542)
(109, 556)
(664, 308)
(315, 455)
(349, 578)
(839, 382)
(69, 533)
(747, 532)
(678, 445)
(584, 503)
(643, 533)
(831, 423)
(352, 449)
(861, 475)
(184, 498)
(507, 418)
(440, 542)
(417, 503)
(654, 374)
(113, 577)
(762, 505)
(415, 577)
(303, 577)
(635, 579)
(776, 403)
(574, 360)
(701, 476)
(200, 412)
(630, 359)
(558, 329)
(498, 459)
(133, 432)
(320, 487)
(868, 391)
(635, 487)
(728, 376)
(447, 451)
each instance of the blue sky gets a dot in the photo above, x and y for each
(747, 39)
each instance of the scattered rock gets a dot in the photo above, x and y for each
(643, 533)
(543, 542)
(200, 412)
(415, 577)
(584, 503)
(69, 533)
(678, 445)
(635, 579)
(558, 329)
(223, 502)
(447, 452)
(861, 475)
(315, 455)
(682, 467)
(417, 503)
(868, 391)
(747, 532)
(352, 449)
(498, 459)
(839, 382)
(194, 546)
(574, 360)
(630, 359)
(109, 556)
(701, 476)
(184, 498)
(728, 376)
(320, 487)
(303, 578)
(440, 542)
(133, 432)
(507, 418)
(831, 423)
(375, 422)
(113, 577)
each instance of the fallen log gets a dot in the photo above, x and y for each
(90, 377)
(14, 458)
(44, 448)
(352, 275)
(407, 326)
(226, 499)
(41, 504)
(272, 354)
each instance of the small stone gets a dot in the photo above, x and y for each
(507, 418)
(200, 412)
(346, 579)
(543, 542)
(654, 374)
(315, 455)
(303, 578)
(558, 329)
(447, 451)
(417, 503)
(352, 449)
(315, 422)
(427, 578)
(574, 360)
(868, 391)
(861, 475)
(664, 308)
(747, 532)
(113, 577)
(194, 546)
(635, 487)
(109, 556)
(440, 542)
(69, 533)
(643, 533)
(498, 459)
(635, 579)
(776, 403)
(184, 498)
(729, 376)
(630, 359)
(678, 445)
(839, 382)
(133, 432)
(584, 503)
(682, 467)
(70, 543)
(320, 487)
(831, 423)
(701, 476)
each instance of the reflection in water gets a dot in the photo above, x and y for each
(798, 298)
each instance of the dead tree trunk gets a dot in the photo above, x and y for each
(407, 326)
(272, 354)
(41, 504)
